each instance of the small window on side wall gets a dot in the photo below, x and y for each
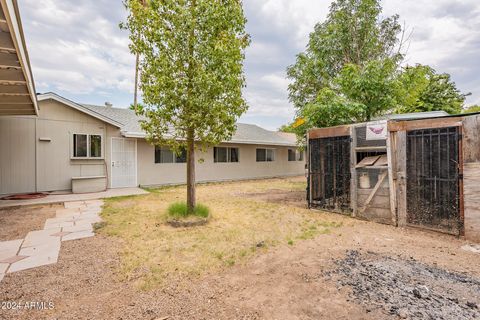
(80, 145)
(87, 146)
(265, 155)
(165, 155)
(95, 146)
(224, 154)
(292, 155)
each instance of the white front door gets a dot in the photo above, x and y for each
(124, 163)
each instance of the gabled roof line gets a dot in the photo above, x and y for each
(76, 106)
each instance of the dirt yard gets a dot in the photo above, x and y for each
(356, 270)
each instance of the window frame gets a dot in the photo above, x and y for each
(89, 151)
(229, 154)
(274, 154)
(175, 157)
(291, 152)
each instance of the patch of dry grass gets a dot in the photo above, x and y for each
(239, 228)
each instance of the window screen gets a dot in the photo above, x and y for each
(224, 154)
(291, 155)
(80, 145)
(95, 146)
(265, 155)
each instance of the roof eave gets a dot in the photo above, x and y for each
(13, 20)
(142, 135)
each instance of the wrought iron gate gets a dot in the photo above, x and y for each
(433, 179)
(329, 173)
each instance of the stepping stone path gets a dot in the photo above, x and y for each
(41, 247)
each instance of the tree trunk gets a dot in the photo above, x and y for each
(191, 201)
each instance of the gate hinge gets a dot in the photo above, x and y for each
(460, 136)
(460, 176)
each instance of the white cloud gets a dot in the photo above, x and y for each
(76, 47)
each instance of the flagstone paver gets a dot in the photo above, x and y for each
(42, 247)
(9, 248)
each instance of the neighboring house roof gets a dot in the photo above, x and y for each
(129, 124)
(17, 88)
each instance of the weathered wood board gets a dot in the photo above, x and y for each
(472, 200)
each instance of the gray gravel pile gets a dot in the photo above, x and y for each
(407, 288)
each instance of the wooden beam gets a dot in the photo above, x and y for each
(6, 41)
(16, 99)
(431, 123)
(14, 89)
(4, 26)
(30, 112)
(12, 83)
(15, 106)
(339, 131)
(11, 75)
(9, 59)
(381, 178)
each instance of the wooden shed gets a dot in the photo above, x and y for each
(416, 172)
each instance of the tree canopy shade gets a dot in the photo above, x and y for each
(422, 89)
(353, 33)
(191, 72)
(351, 72)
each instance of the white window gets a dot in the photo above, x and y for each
(265, 155)
(87, 146)
(165, 155)
(223, 154)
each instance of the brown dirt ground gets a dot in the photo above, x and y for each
(285, 282)
(16, 222)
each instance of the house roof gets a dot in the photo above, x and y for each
(129, 124)
(245, 133)
(17, 89)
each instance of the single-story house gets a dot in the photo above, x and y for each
(84, 148)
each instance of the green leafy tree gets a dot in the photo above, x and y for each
(353, 33)
(471, 109)
(191, 72)
(423, 89)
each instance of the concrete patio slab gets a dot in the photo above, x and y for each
(79, 227)
(13, 259)
(39, 237)
(9, 248)
(33, 262)
(78, 235)
(42, 247)
(58, 224)
(3, 267)
(57, 198)
(74, 204)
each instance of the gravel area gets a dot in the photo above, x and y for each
(408, 288)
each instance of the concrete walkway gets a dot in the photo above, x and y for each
(42, 247)
(57, 198)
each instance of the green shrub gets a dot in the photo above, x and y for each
(179, 210)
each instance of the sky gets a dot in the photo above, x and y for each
(78, 51)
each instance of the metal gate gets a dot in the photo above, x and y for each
(433, 179)
(329, 173)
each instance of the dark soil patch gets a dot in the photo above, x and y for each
(16, 222)
(408, 288)
(292, 198)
